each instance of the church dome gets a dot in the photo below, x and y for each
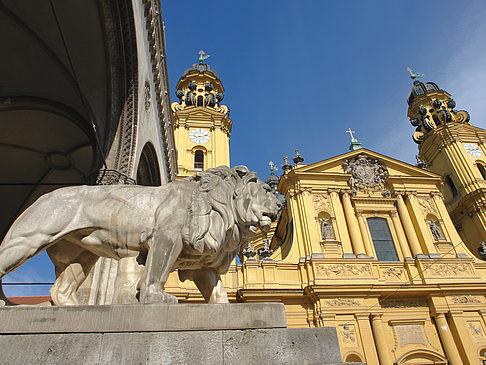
(201, 67)
(420, 88)
(272, 180)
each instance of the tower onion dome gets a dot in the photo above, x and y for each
(420, 88)
(201, 67)
(272, 181)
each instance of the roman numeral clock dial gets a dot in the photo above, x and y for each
(199, 136)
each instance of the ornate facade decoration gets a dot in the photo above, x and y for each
(367, 175)
(476, 330)
(321, 202)
(341, 302)
(464, 299)
(403, 303)
(427, 205)
(393, 273)
(147, 99)
(343, 270)
(348, 335)
(449, 269)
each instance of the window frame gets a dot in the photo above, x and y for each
(197, 168)
(393, 236)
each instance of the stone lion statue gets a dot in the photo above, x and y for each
(195, 225)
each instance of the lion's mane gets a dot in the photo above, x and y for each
(212, 215)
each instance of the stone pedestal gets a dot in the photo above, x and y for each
(161, 334)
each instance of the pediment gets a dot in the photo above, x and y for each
(395, 167)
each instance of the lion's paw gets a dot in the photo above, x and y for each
(159, 297)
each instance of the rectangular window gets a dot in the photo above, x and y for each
(382, 239)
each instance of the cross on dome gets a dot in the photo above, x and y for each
(350, 132)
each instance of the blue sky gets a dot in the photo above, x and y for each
(298, 74)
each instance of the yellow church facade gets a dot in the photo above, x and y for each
(364, 244)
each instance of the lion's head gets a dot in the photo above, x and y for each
(229, 205)
(255, 205)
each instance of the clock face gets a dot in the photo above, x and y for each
(199, 136)
(473, 149)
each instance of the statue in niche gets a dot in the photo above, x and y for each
(435, 230)
(326, 230)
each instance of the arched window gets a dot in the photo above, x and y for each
(482, 170)
(199, 160)
(148, 172)
(200, 100)
(382, 239)
(451, 185)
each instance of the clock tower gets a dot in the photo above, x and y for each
(452, 147)
(202, 125)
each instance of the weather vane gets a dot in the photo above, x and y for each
(351, 133)
(414, 76)
(203, 56)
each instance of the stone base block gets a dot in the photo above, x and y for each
(60, 335)
(141, 318)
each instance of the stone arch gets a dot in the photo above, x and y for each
(148, 171)
(421, 356)
(353, 357)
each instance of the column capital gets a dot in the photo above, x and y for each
(376, 316)
(359, 212)
(441, 313)
(333, 190)
(437, 194)
(405, 193)
(393, 213)
(362, 315)
(345, 192)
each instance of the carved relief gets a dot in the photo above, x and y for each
(393, 273)
(343, 270)
(476, 330)
(448, 269)
(341, 302)
(464, 299)
(321, 202)
(427, 205)
(367, 174)
(403, 303)
(147, 99)
(348, 335)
